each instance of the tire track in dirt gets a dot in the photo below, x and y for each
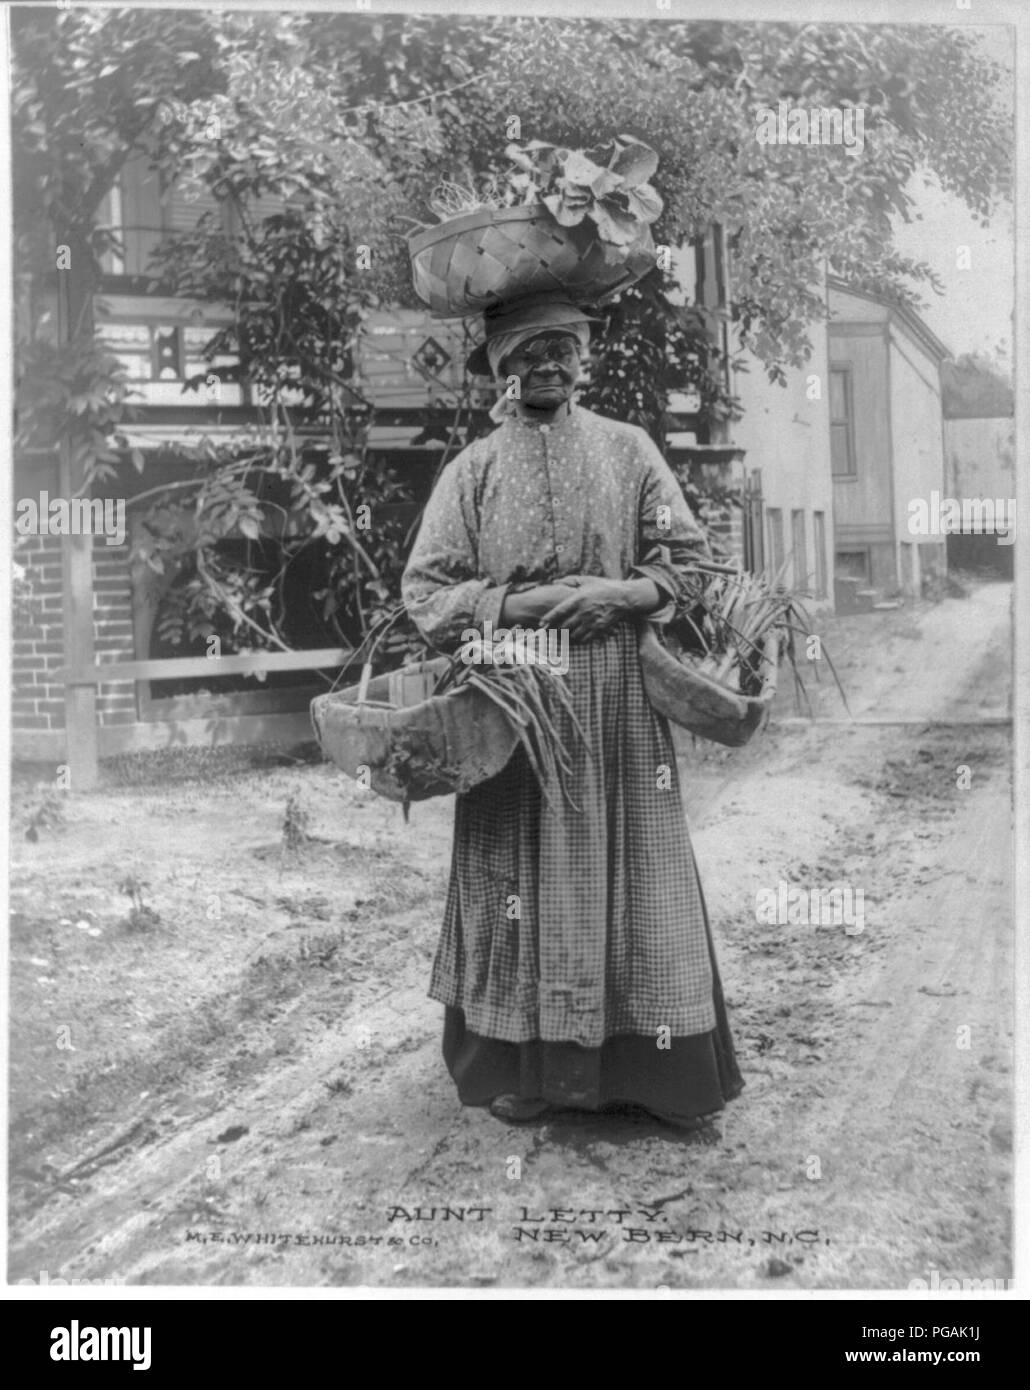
(905, 1160)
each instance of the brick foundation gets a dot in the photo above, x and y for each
(38, 647)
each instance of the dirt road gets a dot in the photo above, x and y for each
(249, 1090)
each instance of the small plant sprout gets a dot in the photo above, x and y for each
(47, 814)
(141, 917)
(295, 826)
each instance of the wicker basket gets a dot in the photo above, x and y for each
(495, 255)
(444, 744)
(700, 704)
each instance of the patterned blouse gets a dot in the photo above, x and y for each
(530, 503)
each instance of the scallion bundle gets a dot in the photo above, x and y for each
(734, 614)
(533, 695)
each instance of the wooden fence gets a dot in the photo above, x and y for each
(81, 731)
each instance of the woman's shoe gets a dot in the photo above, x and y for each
(518, 1110)
(696, 1124)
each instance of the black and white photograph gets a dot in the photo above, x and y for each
(514, 678)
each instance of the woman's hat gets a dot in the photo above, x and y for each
(523, 318)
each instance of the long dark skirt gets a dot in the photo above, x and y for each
(694, 1076)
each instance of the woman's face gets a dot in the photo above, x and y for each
(547, 367)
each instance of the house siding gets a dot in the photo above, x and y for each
(786, 436)
(863, 501)
(918, 457)
(894, 364)
(980, 457)
(980, 462)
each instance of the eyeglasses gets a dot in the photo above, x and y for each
(550, 350)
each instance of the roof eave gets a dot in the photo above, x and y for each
(907, 317)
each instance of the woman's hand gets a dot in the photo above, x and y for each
(527, 607)
(596, 605)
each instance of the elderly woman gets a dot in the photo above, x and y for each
(602, 987)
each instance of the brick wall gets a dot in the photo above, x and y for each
(38, 649)
(112, 628)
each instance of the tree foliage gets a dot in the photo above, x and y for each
(976, 386)
(692, 91)
(348, 122)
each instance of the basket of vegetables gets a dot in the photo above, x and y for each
(714, 669)
(448, 724)
(575, 222)
(681, 690)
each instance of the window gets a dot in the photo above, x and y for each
(842, 431)
(159, 345)
(774, 522)
(141, 209)
(819, 530)
(852, 564)
(799, 547)
(134, 211)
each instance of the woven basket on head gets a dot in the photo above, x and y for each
(499, 254)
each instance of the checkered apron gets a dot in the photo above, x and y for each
(574, 925)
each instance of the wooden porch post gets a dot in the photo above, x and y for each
(75, 314)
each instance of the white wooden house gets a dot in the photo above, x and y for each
(886, 441)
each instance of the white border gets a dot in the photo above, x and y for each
(981, 13)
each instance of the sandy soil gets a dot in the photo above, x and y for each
(243, 1085)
